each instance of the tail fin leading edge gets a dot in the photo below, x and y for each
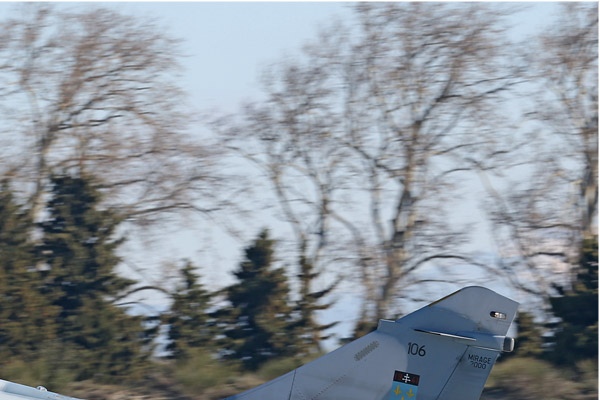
(443, 351)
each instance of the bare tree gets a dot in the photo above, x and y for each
(289, 139)
(360, 140)
(429, 77)
(568, 69)
(541, 221)
(95, 91)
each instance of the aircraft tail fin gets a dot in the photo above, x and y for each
(477, 315)
(443, 351)
(477, 318)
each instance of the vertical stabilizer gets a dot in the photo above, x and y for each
(444, 351)
(479, 319)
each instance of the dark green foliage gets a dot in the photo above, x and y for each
(27, 318)
(78, 245)
(577, 334)
(96, 338)
(529, 340)
(260, 317)
(190, 325)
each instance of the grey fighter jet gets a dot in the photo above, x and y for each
(444, 351)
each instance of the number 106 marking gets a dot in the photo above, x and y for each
(415, 350)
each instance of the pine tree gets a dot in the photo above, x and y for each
(577, 334)
(98, 339)
(190, 324)
(529, 342)
(260, 315)
(27, 317)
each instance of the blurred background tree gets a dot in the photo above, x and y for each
(576, 335)
(95, 92)
(542, 214)
(260, 315)
(190, 324)
(78, 251)
(361, 142)
(28, 317)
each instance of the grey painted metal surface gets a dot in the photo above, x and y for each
(15, 391)
(444, 351)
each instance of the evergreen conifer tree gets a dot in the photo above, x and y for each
(27, 318)
(260, 315)
(98, 338)
(190, 325)
(577, 334)
(529, 342)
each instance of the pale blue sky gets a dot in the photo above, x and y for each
(228, 43)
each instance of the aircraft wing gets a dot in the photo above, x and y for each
(444, 351)
(16, 391)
